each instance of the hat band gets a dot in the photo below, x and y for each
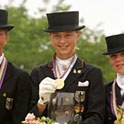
(63, 26)
(112, 51)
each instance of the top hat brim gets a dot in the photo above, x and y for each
(63, 28)
(7, 27)
(113, 52)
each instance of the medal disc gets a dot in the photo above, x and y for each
(60, 83)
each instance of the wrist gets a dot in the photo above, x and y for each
(41, 108)
(41, 101)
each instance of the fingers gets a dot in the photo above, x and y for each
(47, 85)
(47, 89)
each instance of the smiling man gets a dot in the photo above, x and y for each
(115, 89)
(68, 73)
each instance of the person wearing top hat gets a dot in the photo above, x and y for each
(66, 72)
(14, 83)
(114, 90)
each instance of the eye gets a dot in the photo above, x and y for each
(69, 35)
(56, 36)
(113, 56)
(1, 33)
(122, 53)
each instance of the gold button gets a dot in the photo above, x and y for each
(109, 118)
(4, 94)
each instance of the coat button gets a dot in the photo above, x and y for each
(4, 94)
(109, 118)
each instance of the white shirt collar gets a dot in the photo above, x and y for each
(1, 58)
(120, 80)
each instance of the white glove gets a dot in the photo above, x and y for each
(46, 87)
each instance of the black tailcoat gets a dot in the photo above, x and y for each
(110, 116)
(14, 96)
(94, 102)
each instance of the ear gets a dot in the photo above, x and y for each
(7, 37)
(50, 36)
(109, 59)
(79, 33)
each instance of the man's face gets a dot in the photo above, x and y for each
(117, 62)
(3, 38)
(64, 43)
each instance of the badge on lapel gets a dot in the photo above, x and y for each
(79, 107)
(76, 71)
(79, 96)
(9, 103)
(77, 117)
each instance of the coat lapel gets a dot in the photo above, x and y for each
(9, 72)
(50, 72)
(76, 72)
(118, 97)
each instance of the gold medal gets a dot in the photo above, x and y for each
(60, 83)
(120, 116)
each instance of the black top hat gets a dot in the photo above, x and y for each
(63, 21)
(115, 44)
(4, 20)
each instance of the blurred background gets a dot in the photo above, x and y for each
(29, 46)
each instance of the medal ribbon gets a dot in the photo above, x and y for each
(56, 69)
(122, 105)
(57, 72)
(3, 69)
(113, 101)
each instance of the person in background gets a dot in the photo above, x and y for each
(66, 72)
(15, 86)
(114, 90)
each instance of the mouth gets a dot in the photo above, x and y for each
(63, 46)
(120, 65)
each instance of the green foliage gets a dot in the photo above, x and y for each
(91, 52)
(28, 44)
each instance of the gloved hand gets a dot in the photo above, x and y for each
(46, 87)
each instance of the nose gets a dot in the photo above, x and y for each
(119, 57)
(62, 39)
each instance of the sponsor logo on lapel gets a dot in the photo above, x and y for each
(83, 84)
